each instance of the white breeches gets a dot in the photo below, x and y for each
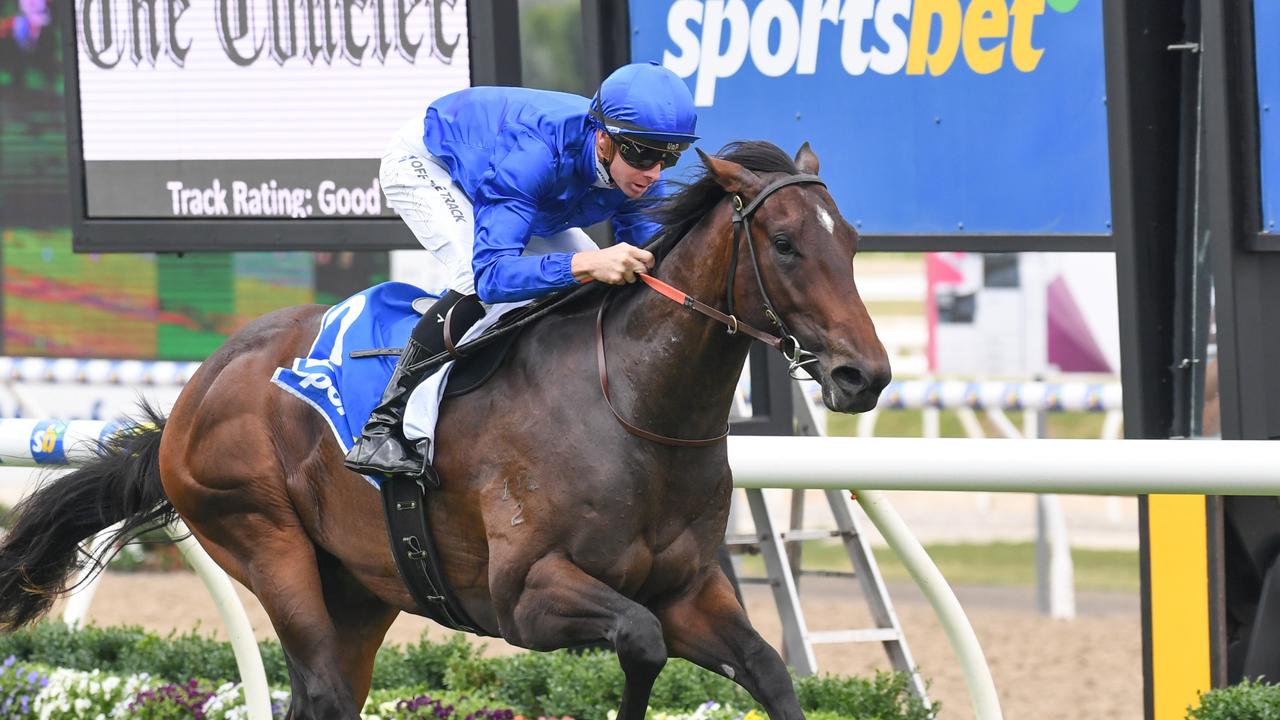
(419, 188)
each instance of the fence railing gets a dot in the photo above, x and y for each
(1095, 467)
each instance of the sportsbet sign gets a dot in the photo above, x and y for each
(932, 116)
(884, 38)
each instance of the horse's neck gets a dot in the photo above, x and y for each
(677, 371)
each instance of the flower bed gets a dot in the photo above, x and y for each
(54, 673)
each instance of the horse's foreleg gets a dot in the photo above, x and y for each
(709, 627)
(561, 606)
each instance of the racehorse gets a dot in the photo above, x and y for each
(556, 525)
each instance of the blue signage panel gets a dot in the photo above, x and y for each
(1266, 18)
(932, 116)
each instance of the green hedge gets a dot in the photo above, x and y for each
(581, 685)
(1250, 700)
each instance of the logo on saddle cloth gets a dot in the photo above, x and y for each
(318, 374)
(315, 382)
(344, 391)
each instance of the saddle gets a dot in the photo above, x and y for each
(474, 368)
(374, 324)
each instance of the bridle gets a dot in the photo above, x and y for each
(785, 342)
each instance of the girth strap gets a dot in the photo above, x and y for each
(417, 559)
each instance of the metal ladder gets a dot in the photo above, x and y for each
(781, 553)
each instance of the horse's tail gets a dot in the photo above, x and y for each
(40, 553)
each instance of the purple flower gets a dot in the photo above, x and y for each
(188, 697)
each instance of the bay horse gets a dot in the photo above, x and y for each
(556, 526)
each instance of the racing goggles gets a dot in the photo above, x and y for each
(643, 157)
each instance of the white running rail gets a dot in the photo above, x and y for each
(1093, 467)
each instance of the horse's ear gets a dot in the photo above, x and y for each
(807, 160)
(731, 176)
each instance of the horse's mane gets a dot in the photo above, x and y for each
(681, 210)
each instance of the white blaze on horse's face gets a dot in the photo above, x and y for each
(824, 217)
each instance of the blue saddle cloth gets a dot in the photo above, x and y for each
(344, 390)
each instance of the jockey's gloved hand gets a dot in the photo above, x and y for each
(615, 265)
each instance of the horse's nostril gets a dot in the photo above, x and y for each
(849, 378)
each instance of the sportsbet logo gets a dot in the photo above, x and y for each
(713, 38)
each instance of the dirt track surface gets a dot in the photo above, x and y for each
(1090, 667)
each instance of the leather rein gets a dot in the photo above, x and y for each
(785, 342)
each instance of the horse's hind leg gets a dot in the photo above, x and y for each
(709, 627)
(328, 637)
(561, 606)
(360, 620)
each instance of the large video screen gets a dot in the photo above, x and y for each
(213, 110)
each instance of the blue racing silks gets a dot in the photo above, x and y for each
(526, 160)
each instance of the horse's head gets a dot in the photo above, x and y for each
(797, 262)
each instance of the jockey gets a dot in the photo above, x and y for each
(496, 183)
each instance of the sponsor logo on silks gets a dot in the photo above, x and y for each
(713, 39)
(447, 195)
(47, 442)
(419, 169)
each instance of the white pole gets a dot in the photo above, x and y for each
(977, 676)
(931, 422)
(973, 430)
(1003, 423)
(1055, 576)
(1113, 429)
(257, 695)
(867, 423)
(81, 598)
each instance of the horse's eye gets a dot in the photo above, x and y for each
(782, 244)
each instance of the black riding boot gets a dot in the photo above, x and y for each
(382, 448)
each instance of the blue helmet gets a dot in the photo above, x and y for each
(647, 102)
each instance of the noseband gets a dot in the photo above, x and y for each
(786, 343)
